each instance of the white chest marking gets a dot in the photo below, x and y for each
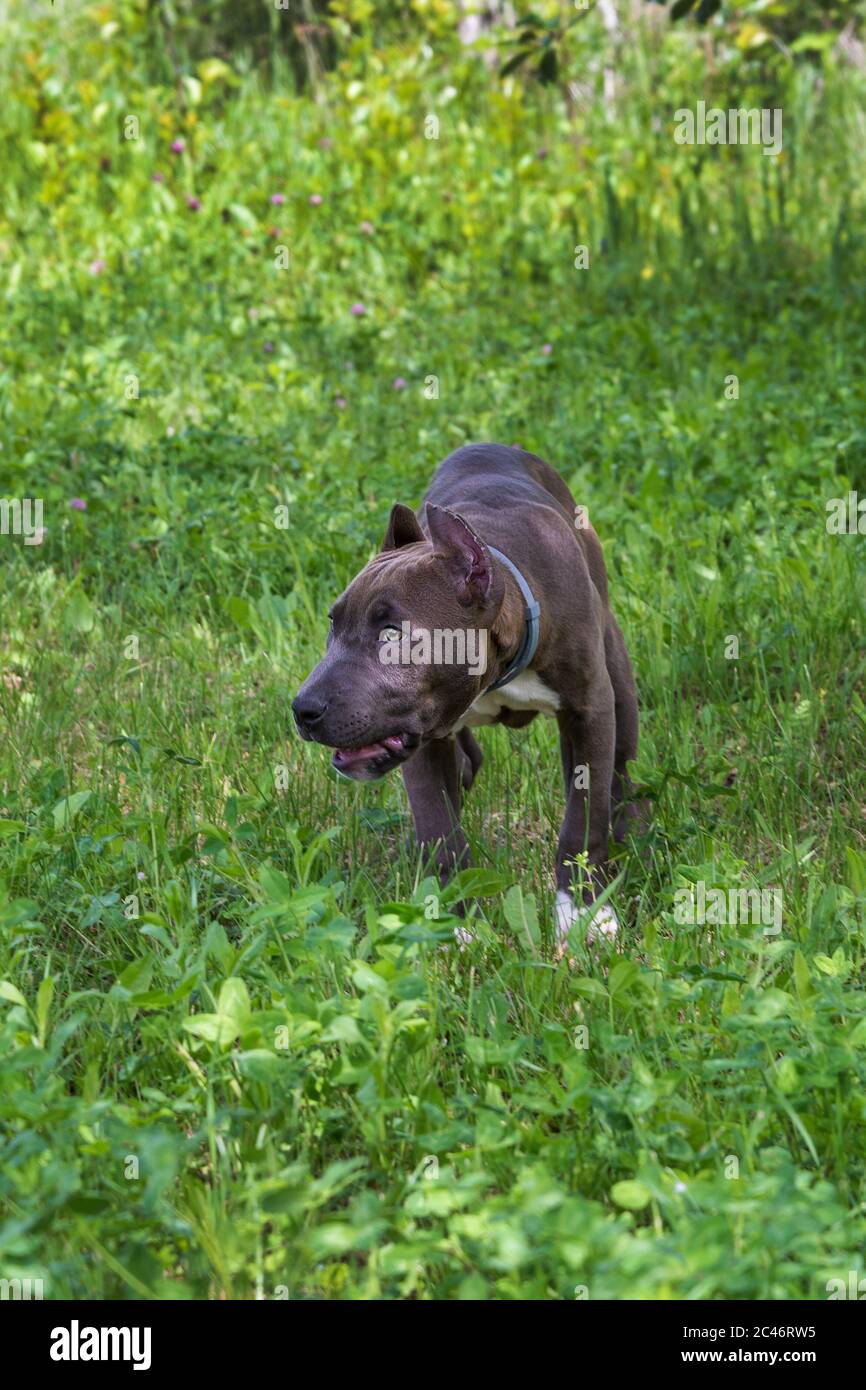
(525, 692)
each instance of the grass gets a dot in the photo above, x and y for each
(241, 1054)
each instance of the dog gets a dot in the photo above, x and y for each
(489, 606)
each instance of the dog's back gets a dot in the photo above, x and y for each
(496, 487)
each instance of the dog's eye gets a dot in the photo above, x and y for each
(389, 634)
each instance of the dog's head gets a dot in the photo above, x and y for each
(410, 646)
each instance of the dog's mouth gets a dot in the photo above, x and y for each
(374, 759)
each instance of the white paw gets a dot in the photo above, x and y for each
(566, 916)
(604, 922)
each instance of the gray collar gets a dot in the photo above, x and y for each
(531, 625)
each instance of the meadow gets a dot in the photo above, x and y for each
(240, 1056)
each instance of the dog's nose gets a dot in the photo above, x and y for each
(308, 711)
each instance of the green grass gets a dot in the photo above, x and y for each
(240, 1052)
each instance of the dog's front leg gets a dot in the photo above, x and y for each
(590, 735)
(433, 786)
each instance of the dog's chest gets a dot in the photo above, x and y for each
(526, 694)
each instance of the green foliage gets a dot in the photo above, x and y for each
(240, 1051)
(788, 21)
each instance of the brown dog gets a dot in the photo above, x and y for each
(491, 609)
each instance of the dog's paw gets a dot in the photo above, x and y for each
(603, 924)
(566, 916)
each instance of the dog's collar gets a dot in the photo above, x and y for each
(531, 625)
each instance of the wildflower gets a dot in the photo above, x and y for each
(278, 199)
(399, 383)
(78, 504)
(358, 310)
(96, 267)
(315, 199)
(178, 146)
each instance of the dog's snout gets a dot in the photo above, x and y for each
(308, 711)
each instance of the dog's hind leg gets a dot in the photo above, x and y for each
(587, 741)
(625, 814)
(469, 757)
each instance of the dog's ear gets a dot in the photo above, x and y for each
(403, 528)
(463, 552)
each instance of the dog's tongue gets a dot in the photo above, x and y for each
(363, 752)
(393, 744)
